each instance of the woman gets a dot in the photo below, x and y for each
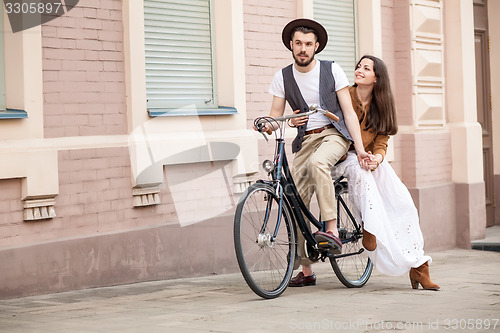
(391, 231)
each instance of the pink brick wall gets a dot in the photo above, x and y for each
(402, 60)
(83, 71)
(95, 196)
(396, 55)
(433, 154)
(389, 57)
(96, 193)
(265, 54)
(388, 35)
(427, 159)
(264, 51)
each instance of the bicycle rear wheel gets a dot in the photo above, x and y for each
(266, 263)
(355, 269)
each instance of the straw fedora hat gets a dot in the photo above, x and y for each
(321, 33)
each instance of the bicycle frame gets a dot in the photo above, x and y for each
(340, 202)
(286, 190)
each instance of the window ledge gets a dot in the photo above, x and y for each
(13, 114)
(221, 110)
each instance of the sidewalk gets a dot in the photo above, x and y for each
(469, 298)
(491, 242)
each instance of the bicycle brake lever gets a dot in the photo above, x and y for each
(313, 107)
(259, 127)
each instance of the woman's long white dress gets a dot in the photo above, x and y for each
(385, 206)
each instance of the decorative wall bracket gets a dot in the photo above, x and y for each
(39, 209)
(427, 51)
(242, 182)
(148, 196)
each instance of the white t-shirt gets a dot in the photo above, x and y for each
(309, 87)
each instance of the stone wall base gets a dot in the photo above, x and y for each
(451, 215)
(496, 190)
(436, 208)
(471, 213)
(154, 253)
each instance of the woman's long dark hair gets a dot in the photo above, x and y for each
(381, 116)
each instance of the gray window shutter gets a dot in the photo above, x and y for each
(179, 54)
(338, 18)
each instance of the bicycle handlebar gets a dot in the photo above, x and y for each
(312, 109)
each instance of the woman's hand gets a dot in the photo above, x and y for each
(363, 157)
(371, 162)
(299, 121)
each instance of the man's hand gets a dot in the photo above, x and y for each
(277, 110)
(299, 121)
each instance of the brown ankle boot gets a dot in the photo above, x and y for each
(421, 276)
(369, 241)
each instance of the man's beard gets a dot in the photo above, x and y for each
(301, 63)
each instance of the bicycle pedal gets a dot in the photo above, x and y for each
(329, 247)
(325, 244)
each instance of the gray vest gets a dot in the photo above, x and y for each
(327, 96)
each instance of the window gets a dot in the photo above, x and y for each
(338, 18)
(4, 112)
(180, 64)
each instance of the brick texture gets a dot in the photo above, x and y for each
(388, 35)
(427, 159)
(96, 193)
(402, 60)
(265, 54)
(95, 198)
(83, 71)
(390, 57)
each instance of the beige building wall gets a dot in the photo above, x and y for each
(462, 113)
(412, 48)
(439, 132)
(96, 192)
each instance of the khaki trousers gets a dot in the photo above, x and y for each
(311, 173)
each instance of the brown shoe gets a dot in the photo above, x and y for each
(420, 275)
(327, 240)
(301, 281)
(369, 241)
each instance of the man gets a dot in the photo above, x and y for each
(320, 143)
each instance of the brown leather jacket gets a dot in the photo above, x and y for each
(372, 141)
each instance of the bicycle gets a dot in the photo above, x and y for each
(266, 220)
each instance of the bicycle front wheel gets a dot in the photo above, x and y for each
(353, 267)
(266, 262)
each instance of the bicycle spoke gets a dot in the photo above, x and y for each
(353, 270)
(264, 262)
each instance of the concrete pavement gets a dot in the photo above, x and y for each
(469, 301)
